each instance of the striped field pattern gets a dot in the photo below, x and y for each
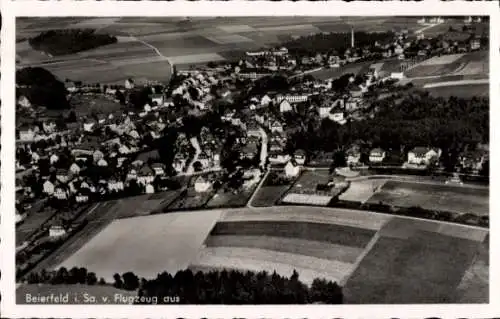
(377, 258)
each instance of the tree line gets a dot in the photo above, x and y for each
(213, 287)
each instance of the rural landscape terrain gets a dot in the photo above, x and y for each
(285, 160)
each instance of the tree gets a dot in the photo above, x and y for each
(118, 281)
(197, 166)
(130, 281)
(91, 278)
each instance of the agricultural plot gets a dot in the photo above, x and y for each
(166, 242)
(304, 190)
(269, 195)
(461, 91)
(434, 197)
(333, 73)
(425, 267)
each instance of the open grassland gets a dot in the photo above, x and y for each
(147, 47)
(103, 294)
(434, 197)
(166, 242)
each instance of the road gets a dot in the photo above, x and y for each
(196, 146)
(264, 145)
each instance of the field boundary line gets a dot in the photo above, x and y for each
(360, 258)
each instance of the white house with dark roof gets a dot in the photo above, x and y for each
(292, 169)
(285, 106)
(423, 155)
(48, 187)
(145, 175)
(377, 155)
(202, 184)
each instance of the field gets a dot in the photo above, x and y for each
(166, 242)
(475, 63)
(375, 256)
(461, 91)
(434, 196)
(147, 47)
(354, 68)
(304, 190)
(410, 261)
(361, 190)
(269, 195)
(100, 216)
(103, 294)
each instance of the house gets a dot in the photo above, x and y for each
(278, 157)
(292, 169)
(150, 189)
(299, 156)
(24, 101)
(145, 175)
(253, 129)
(377, 155)
(353, 156)
(292, 98)
(88, 125)
(204, 159)
(276, 126)
(102, 163)
(53, 159)
(132, 174)
(62, 176)
(81, 198)
(159, 169)
(337, 115)
(475, 44)
(115, 185)
(48, 187)
(423, 155)
(60, 193)
(75, 169)
(474, 160)
(129, 84)
(285, 106)
(56, 231)
(202, 184)
(324, 111)
(26, 134)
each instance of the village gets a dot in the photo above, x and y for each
(216, 134)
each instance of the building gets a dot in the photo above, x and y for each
(475, 44)
(56, 231)
(377, 155)
(300, 157)
(292, 169)
(202, 184)
(292, 98)
(353, 156)
(423, 155)
(285, 106)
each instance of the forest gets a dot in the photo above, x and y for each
(62, 42)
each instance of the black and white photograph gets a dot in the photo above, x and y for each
(264, 161)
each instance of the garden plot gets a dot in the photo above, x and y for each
(362, 190)
(439, 60)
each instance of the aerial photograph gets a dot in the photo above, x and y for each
(252, 160)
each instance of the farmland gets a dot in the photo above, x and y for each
(433, 261)
(166, 242)
(475, 63)
(310, 240)
(177, 41)
(434, 197)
